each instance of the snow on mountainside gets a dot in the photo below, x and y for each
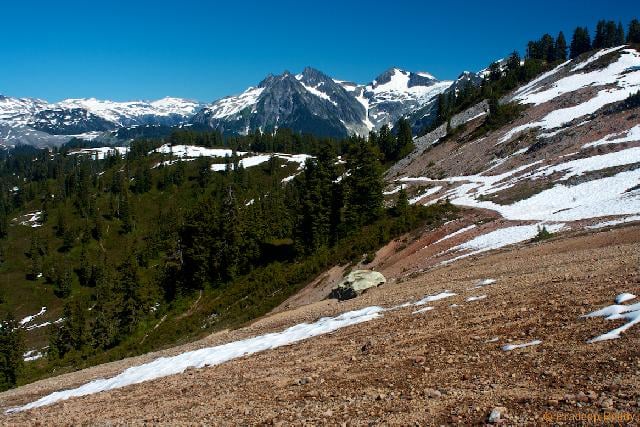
(312, 101)
(397, 93)
(37, 122)
(570, 161)
(19, 110)
(127, 113)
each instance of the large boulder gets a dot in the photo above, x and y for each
(356, 283)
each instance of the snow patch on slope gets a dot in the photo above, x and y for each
(211, 356)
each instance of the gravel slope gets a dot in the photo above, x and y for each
(437, 367)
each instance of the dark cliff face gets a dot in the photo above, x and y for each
(69, 122)
(309, 102)
(331, 107)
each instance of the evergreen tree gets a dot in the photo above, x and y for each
(402, 203)
(599, 39)
(126, 214)
(580, 43)
(72, 334)
(134, 296)
(619, 39)
(404, 144)
(561, 48)
(230, 235)
(63, 281)
(35, 255)
(199, 245)
(11, 350)
(610, 34)
(547, 47)
(364, 197)
(386, 142)
(633, 35)
(443, 109)
(4, 222)
(513, 63)
(317, 193)
(495, 72)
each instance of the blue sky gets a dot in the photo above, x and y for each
(204, 50)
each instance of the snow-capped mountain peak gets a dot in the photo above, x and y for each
(34, 121)
(343, 107)
(310, 101)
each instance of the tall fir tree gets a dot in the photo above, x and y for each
(619, 39)
(404, 139)
(633, 35)
(317, 194)
(561, 48)
(580, 43)
(230, 235)
(364, 200)
(11, 350)
(599, 39)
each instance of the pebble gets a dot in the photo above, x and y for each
(497, 414)
(432, 393)
(419, 360)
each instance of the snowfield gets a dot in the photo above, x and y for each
(165, 366)
(618, 80)
(190, 152)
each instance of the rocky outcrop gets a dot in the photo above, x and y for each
(356, 283)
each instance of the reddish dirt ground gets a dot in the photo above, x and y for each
(443, 366)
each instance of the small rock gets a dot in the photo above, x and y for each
(498, 413)
(303, 381)
(581, 397)
(419, 360)
(606, 403)
(432, 393)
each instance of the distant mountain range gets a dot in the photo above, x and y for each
(309, 102)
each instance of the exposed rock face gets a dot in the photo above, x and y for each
(36, 122)
(356, 283)
(314, 102)
(310, 102)
(426, 114)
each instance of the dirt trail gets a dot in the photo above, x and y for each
(438, 367)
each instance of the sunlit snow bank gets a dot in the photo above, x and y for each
(606, 196)
(624, 74)
(631, 313)
(499, 238)
(510, 347)
(190, 152)
(166, 366)
(33, 316)
(31, 355)
(632, 135)
(258, 159)
(100, 153)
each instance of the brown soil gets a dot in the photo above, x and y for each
(431, 368)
